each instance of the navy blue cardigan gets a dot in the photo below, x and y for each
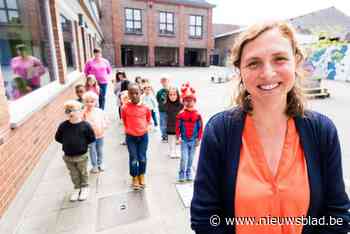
(214, 186)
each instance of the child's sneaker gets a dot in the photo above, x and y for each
(101, 167)
(84, 193)
(164, 140)
(75, 195)
(181, 178)
(174, 156)
(189, 176)
(94, 170)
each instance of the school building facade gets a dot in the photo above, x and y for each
(60, 35)
(157, 32)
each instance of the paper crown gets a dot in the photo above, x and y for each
(187, 91)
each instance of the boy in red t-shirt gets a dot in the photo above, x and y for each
(137, 120)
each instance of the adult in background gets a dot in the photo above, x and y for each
(269, 157)
(101, 69)
(27, 71)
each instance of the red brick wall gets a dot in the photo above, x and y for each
(22, 147)
(151, 14)
(183, 37)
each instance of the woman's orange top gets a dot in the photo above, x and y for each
(259, 193)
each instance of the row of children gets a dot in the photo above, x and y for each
(85, 125)
(180, 124)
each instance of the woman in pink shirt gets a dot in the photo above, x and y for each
(101, 69)
(27, 70)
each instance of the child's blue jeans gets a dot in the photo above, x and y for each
(96, 152)
(137, 147)
(163, 123)
(188, 149)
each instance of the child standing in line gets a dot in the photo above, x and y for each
(92, 85)
(189, 128)
(79, 91)
(150, 101)
(75, 135)
(120, 77)
(172, 107)
(98, 121)
(161, 96)
(136, 118)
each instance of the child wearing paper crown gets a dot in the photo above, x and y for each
(189, 128)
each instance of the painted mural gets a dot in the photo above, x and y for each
(329, 62)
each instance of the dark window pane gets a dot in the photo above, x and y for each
(162, 17)
(129, 25)
(29, 68)
(192, 31)
(199, 21)
(128, 14)
(12, 4)
(170, 18)
(137, 15)
(3, 17)
(137, 25)
(192, 20)
(13, 17)
(198, 31)
(170, 28)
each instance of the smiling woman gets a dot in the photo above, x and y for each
(269, 156)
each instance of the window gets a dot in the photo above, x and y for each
(196, 26)
(69, 43)
(9, 12)
(166, 23)
(133, 21)
(25, 49)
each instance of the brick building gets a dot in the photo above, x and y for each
(157, 32)
(61, 35)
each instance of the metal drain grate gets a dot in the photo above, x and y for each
(121, 209)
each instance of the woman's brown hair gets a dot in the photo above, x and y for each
(295, 99)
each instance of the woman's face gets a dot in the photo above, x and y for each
(268, 67)
(21, 53)
(98, 55)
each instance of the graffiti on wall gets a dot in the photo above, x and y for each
(332, 62)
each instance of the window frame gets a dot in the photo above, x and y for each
(133, 21)
(195, 26)
(6, 9)
(166, 33)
